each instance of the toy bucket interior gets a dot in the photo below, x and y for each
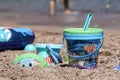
(42, 48)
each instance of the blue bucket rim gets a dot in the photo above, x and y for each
(82, 36)
(43, 45)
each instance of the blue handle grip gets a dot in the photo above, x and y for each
(87, 22)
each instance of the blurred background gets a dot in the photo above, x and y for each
(106, 13)
(42, 6)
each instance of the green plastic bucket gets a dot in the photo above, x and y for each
(83, 46)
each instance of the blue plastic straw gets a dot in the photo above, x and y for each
(87, 22)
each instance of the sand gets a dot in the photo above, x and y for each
(108, 58)
(109, 54)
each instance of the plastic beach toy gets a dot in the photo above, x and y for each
(55, 55)
(15, 38)
(29, 60)
(83, 45)
(49, 52)
(47, 55)
(2, 34)
(30, 47)
(87, 22)
(117, 67)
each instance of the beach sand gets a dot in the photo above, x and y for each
(108, 58)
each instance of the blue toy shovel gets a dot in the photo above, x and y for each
(87, 22)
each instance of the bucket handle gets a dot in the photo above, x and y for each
(55, 55)
(86, 56)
